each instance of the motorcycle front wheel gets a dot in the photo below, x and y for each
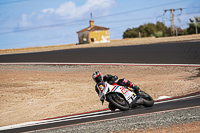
(118, 101)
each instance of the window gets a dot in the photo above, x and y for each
(92, 39)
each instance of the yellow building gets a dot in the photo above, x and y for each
(93, 34)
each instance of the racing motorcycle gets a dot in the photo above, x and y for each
(124, 99)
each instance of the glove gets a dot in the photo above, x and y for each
(102, 102)
(114, 78)
(102, 98)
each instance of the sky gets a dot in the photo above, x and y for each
(33, 23)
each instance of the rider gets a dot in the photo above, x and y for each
(99, 78)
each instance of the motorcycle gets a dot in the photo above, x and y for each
(124, 99)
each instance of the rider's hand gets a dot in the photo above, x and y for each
(102, 98)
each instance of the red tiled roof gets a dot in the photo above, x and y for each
(93, 28)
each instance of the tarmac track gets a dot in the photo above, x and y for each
(164, 53)
(179, 103)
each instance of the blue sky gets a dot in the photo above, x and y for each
(30, 23)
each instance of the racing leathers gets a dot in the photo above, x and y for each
(122, 82)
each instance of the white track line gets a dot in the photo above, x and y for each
(177, 99)
(76, 117)
(119, 64)
(70, 118)
(115, 118)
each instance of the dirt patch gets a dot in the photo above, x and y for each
(34, 92)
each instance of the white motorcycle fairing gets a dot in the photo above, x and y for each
(128, 95)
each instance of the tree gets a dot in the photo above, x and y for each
(129, 33)
(148, 30)
(194, 26)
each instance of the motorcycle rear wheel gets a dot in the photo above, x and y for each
(118, 101)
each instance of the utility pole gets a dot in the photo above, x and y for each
(172, 19)
(195, 23)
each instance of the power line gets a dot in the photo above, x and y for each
(61, 24)
(12, 2)
(137, 10)
(40, 27)
(74, 34)
(50, 38)
(126, 20)
(193, 12)
(69, 23)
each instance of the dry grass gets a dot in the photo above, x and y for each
(123, 42)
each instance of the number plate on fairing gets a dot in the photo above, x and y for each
(130, 96)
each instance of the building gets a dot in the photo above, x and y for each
(93, 34)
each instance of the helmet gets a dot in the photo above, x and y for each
(97, 76)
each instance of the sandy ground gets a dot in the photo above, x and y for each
(37, 92)
(123, 42)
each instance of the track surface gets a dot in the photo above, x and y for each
(178, 103)
(165, 53)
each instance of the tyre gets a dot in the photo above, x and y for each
(118, 101)
(148, 100)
